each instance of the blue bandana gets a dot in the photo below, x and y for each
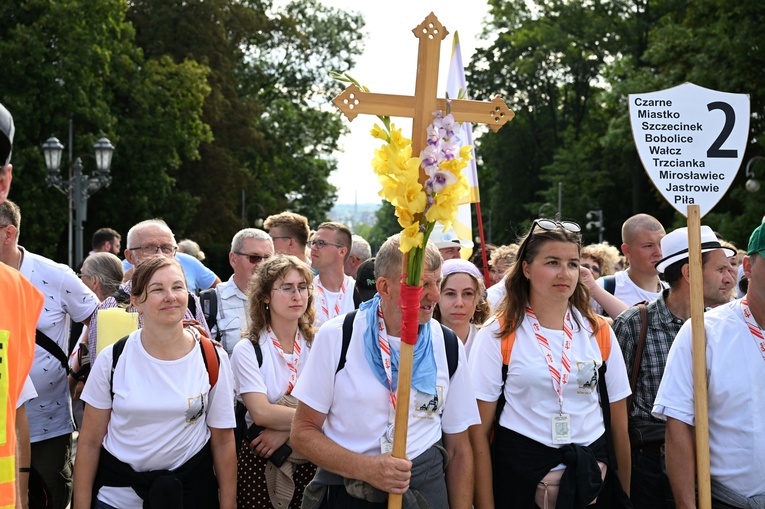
(424, 370)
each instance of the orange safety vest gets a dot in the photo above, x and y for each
(20, 306)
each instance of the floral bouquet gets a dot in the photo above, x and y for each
(419, 205)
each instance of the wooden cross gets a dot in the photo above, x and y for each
(420, 108)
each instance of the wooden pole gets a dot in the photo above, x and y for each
(701, 404)
(430, 33)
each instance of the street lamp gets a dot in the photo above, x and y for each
(79, 187)
(752, 184)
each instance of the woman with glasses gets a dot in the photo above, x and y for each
(551, 440)
(157, 430)
(463, 306)
(266, 367)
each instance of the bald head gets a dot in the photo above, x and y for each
(632, 225)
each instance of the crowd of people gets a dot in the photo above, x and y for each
(559, 377)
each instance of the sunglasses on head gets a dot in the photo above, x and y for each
(548, 225)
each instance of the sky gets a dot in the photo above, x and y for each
(388, 64)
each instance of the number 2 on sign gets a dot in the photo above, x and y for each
(730, 121)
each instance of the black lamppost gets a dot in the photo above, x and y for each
(752, 184)
(79, 187)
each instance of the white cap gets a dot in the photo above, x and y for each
(445, 239)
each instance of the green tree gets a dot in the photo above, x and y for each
(76, 60)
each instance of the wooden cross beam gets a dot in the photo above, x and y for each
(420, 107)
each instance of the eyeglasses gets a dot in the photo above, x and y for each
(253, 258)
(593, 268)
(321, 244)
(548, 225)
(152, 250)
(290, 289)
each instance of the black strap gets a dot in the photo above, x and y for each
(117, 349)
(347, 332)
(638, 354)
(450, 344)
(208, 299)
(192, 305)
(605, 406)
(52, 348)
(609, 284)
(258, 352)
(452, 349)
(240, 410)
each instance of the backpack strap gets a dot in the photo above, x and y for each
(638, 354)
(452, 349)
(347, 332)
(212, 361)
(192, 305)
(117, 349)
(208, 299)
(52, 348)
(258, 352)
(603, 337)
(609, 284)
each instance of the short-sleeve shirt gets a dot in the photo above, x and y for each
(272, 376)
(627, 291)
(531, 400)
(357, 405)
(735, 374)
(50, 413)
(161, 411)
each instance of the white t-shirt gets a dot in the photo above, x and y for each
(50, 413)
(735, 377)
(272, 377)
(161, 409)
(470, 339)
(496, 293)
(325, 306)
(357, 405)
(627, 291)
(531, 401)
(27, 392)
(231, 319)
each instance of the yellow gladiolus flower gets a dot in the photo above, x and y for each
(411, 237)
(379, 133)
(466, 152)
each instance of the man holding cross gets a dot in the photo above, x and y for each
(735, 352)
(344, 417)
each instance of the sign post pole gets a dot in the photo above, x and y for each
(691, 141)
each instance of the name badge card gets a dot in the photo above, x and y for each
(561, 429)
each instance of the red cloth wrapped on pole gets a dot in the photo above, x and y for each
(410, 309)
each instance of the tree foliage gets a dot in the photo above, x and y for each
(207, 102)
(567, 68)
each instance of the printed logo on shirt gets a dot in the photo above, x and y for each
(426, 405)
(196, 408)
(587, 376)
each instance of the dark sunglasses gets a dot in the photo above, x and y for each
(253, 258)
(592, 268)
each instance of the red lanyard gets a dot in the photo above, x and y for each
(382, 341)
(293, 365)
(323, 299)
(559, 376)
(754, 329)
